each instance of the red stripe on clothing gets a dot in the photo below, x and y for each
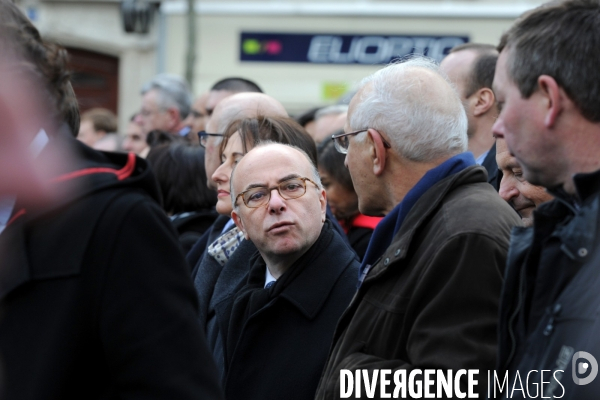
(364, 221)
(121, 174)
(18, 214)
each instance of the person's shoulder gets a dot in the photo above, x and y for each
(476, 207)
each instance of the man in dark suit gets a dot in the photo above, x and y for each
(279, 325)
(470, 67)
(97, 302)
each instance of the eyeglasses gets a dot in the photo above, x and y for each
(289, 189)
(204, 137)
(342, 141)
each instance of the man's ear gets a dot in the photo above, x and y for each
(238, 222)
(553, 94)
(173, 114)
(484, 100)
(323, 201)
(377, 151)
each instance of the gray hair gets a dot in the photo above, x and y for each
(331, 110)
(423, 117)
(263, 143)
(172, 92)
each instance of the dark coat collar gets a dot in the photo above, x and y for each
(308, 282)
(89, 173)
(423, 209)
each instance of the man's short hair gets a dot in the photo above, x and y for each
(236, 85)
(172, 91)
(45, 59)
(559, 39)
(484, 67)
(422, 127)
(102, 119)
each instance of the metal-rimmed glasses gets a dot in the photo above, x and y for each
(342, 141)
(203, 135)
(289, 189)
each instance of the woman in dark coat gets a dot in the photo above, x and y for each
(179, 169)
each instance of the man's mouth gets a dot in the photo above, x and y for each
(279, 226)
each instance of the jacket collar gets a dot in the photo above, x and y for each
(309, 281)
(582, 211)
(422, 210)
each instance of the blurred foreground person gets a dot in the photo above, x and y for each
(96, 297)
(520, 194)
(548, 90)
(281, 320)
(22, 112)
(432, 275)
(190, 204)
(342, 198)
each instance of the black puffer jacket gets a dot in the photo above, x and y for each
(550, 307)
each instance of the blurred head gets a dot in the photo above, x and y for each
(198, 116)
(166, 103)
(291, 219)
(336, 180)
(514, 189)
(242, 135)
(96, 124)
(235, 107)
(327, 121)
(135, 139)
(410, 118)
(546, 85)
(179, 169)
(470, 67)
(44, 60)
(307, 120)
(227, 87)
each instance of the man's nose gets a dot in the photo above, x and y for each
(507, 189)
(276, 202)
(498, 129)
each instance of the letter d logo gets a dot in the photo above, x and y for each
(583, 367)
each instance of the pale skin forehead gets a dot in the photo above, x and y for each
(265, 163)
(244, 105)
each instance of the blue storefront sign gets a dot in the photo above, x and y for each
(342, 49)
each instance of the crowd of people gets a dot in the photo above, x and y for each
(445, 218)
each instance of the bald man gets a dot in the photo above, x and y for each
(514, 189)
(281, 321)
(232, 108)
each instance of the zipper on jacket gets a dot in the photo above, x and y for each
(511, 320)
(554, 312)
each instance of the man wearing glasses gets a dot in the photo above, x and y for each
(302, 278)
(432, 274)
